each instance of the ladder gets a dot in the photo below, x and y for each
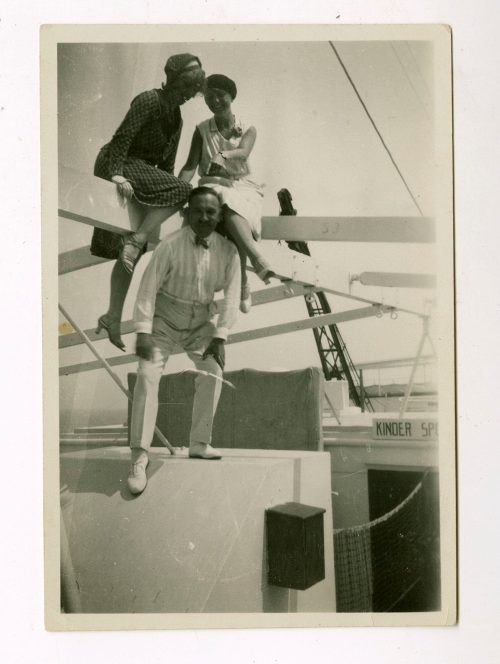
(334, 356)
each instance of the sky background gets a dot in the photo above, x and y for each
(314, 138)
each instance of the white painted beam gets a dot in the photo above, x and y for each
(86, 198)
(349, 229)
(286, 263)
(250, 335)
(309, 323)
(76, 259)
(263, 296)
(396, 279)
(290, 265)
(282, 257)
(91, 200)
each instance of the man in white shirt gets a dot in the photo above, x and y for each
(175, 307)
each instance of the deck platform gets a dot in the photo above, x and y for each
(194, 541)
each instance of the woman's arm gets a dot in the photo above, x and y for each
(188, 170)
(244, 148)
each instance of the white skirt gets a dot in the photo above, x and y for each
(242, 196)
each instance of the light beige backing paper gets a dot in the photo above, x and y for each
(439, 171)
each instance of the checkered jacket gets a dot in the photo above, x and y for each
(150, 131)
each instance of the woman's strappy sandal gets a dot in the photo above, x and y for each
(112, 328)
(245, 299)
(263, 270)
(130, 253)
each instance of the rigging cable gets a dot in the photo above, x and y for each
(375, 127)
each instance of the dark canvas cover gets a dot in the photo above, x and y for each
(266, 410)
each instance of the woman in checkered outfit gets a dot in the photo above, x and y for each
(139, 159)
(220, 150)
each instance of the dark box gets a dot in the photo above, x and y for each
(295, 545)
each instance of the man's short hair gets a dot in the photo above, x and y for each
(197, 191)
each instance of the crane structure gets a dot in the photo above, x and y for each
(334, 356)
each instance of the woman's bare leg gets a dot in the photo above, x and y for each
(120, 283)
(121, 276)
(153, 218)
(239, 230)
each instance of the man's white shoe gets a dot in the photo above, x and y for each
(203, 451)
(137, 479)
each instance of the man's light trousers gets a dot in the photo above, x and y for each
(189, 326)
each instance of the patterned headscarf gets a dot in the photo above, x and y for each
(177, 63)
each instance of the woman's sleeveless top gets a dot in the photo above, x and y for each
(214, 142)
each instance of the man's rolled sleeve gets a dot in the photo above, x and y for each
(151, 281)
(228, 308)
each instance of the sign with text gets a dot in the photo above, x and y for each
(410, 429)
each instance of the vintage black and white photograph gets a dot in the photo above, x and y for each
(248, 303)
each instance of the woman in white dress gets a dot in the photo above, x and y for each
(220, 149)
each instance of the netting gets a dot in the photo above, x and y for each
(380, 562)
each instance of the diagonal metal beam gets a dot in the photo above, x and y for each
(399, 362)
(250, 335)
(264, 296)
(300, 271)
(105, 365)
(77, 259)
